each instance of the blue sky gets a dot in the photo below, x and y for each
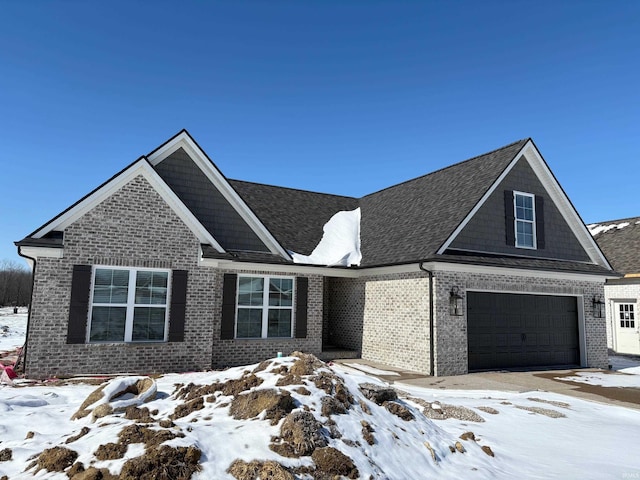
(343, 97)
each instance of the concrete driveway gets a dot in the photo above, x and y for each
(545, 380)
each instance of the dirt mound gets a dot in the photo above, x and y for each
(6, 454)
(111, 451)
(306, 364)
(377, 393)
(163, 463)
(140, 434)
(276, 404)
(78, 472)
(254, 470)
(331, 462)
(300, 435)
(56, 459)
(399, 410)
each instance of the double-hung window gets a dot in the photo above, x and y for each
(264, 307)
(129, 305)
(525, 220)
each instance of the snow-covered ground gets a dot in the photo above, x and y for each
(533, 435)
(13, 328)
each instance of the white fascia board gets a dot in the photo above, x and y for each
(280, 268)
(551, 185)
(560, 199)
(183, 140)
(518, 272)
(41, 252)
(484, 198)
(140, 167)
(398, 269)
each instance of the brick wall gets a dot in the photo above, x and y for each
(134, 227)
(243, 351)
(393, 313)
(385, 317)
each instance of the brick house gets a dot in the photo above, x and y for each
(170, 266)
(620, 241)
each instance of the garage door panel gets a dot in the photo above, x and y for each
(518, 330)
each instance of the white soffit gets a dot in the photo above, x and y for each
(140, 167)
(531, 154)
(183, 140)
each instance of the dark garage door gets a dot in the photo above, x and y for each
(512, 330)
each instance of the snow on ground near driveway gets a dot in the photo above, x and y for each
(13, 328)
(628, 366)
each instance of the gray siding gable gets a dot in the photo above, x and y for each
(206, 202)
(486, 231)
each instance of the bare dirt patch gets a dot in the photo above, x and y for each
(56, 459)
(331, 462)
(438, 411)
(111, 451)
(542, 411)
(274, 403)
(80, 434)
(300, 435)
(6, 454)
(163, 463)
(550, 402)
(489, 410)
(242, 470)
(399, 410)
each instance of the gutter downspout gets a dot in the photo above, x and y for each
(26, 338)
(431, 329)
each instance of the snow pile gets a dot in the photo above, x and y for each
(292, 415)
(296, 417)
(340, 243)
(596, 228)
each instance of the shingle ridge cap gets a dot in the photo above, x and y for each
(523, 141)
(293, 189)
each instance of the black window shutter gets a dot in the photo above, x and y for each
(540, 222)
(302, 287)
(79, 306)
(509, 218)
(227, 326)
(178, 305)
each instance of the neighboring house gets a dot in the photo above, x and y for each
(620, 242)
(170, 266)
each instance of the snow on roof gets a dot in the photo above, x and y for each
(340, 243)
(596, 228)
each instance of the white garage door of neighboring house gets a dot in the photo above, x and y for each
(626, 327)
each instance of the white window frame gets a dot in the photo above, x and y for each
(630, 315)
(265, 305)
(532, 221)
(130, 305)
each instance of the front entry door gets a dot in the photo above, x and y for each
(626, 327)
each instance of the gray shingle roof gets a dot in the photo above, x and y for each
(403, 223)
(410, 221)
(294, 217)
(620, 244)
